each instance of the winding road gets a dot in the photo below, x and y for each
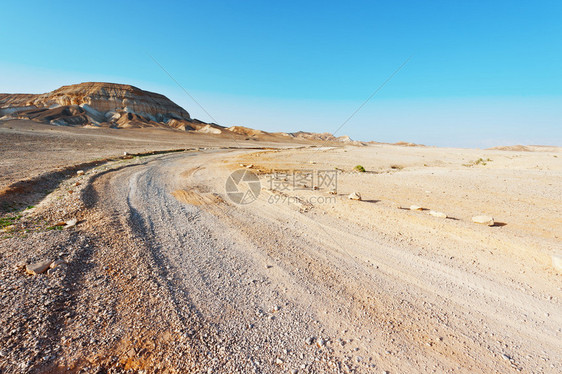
(281, 287)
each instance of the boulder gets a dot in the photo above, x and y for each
(38, 267)
(483, 220)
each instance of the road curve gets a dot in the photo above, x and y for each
(272, 287)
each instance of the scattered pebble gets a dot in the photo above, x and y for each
(354, 196)
(70, 223)
(483, 220)
(437, 214)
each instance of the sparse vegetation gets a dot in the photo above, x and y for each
(479, 161)
(8, 221)
(359, 168)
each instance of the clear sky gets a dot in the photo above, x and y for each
(482, 73)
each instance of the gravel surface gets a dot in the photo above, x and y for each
(163, 273)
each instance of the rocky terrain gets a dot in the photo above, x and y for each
(150, 267)
(98, 104)
(123, 251)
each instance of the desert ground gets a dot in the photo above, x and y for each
(163, 272)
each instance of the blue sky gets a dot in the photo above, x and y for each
(481, 73)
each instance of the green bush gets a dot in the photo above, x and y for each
(360, 168)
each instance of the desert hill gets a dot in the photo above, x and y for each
(99, 104)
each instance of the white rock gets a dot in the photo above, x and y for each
(415, 207)
(557, 261)
(483, 220)
(208, 129)
(249, 166)
(354, 196)
(437, 214)
(279, 361)
(71, 223)
(80, 172)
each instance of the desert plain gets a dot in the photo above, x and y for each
(154, 268)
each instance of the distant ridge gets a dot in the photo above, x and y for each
(101, 104)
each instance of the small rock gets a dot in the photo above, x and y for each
(354, 196)
(77, 184)
(57, 263)
(249, 166)
(415, 207)
(310, 340)
(557, 261)
(320, 342)
(483, 220)
(333, 192)
(70, 223)
(80, 172)
(279, 361)
(38, 267)
(437, 214)
(59, 270)
(19, 267)
(125, 154)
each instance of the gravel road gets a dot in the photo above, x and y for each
(180, 279)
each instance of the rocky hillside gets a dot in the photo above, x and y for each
(98, 104)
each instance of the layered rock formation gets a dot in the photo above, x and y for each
(123, 106)
(97, 104)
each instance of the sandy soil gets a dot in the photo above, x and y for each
(165, 273)
(31, 148)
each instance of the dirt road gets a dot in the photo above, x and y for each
(266, 278)
(192, 281)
